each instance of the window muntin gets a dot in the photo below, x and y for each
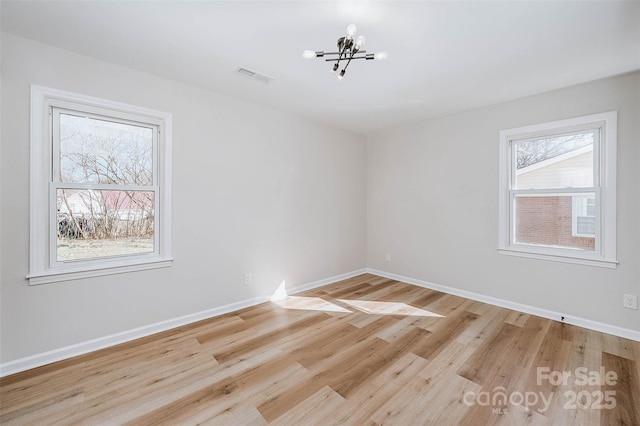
(100, 187)
(557, 183)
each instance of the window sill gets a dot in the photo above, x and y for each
(602, 263)
(68, 274)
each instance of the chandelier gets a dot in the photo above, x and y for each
(348, 50)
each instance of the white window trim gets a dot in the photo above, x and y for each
(605, 253)
(41, 269)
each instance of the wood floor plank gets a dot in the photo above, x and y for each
(374, 292)
(618, 346)
(55, 400)
(368, 367)
(352, 291)
(277, 405)
(553, 356)
(446, 304)
(115, 406)
(367, 350)
(517, 318)
(230, 326)
(585, 353)
(278, 335)
(450, 328)
(483, 326)
(429, 398)
(401, 293)
(490, 355)
(222, 395)
(528, 340)
(399, 329)
(344, 344)
(325, 402)
(624, 391)
(427, 298)
(364, 402)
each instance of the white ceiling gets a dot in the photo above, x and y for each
(444, 56)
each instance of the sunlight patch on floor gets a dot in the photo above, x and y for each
(388, 308)
(374, 307)
(310, 304)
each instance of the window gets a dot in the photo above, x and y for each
(100, 187)
(558, 190)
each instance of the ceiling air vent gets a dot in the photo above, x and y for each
(254, 75)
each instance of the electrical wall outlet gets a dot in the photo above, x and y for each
(388, 257)
(248, 279)
(630, 301)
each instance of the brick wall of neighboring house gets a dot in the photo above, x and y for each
(547, 221)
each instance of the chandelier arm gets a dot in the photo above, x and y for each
(342, 52)
(336, 59)
(337, 53)
(348, 62)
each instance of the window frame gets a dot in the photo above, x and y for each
(604, 187)
(44, 268)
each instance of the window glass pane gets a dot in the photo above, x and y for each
(585, 225)
(551, 221)
(555, 162)
(95, 224)
(106, 152)
(584, 215)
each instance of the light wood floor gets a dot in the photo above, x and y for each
(362, 351)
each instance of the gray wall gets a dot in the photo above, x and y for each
(433, 205)
(254, 190)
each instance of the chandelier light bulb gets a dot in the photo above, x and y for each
(359, 42)
(351, 30)
(308, 54)
(381, 55)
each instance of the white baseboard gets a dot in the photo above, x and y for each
(48, 357)
(544, 313)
